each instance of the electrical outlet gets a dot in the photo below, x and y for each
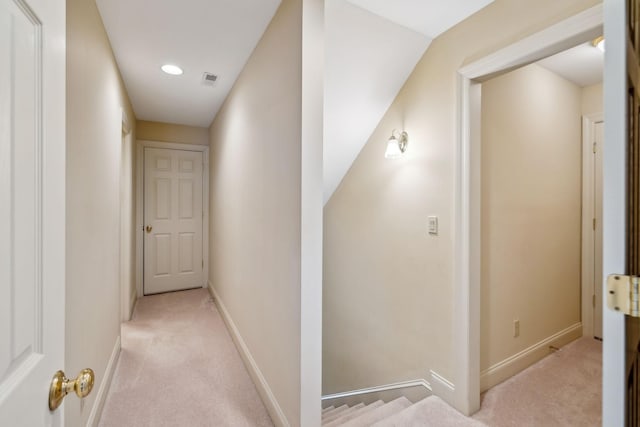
(516, 328)
(432, 225)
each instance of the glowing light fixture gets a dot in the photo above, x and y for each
(397, 145)
(599, 43)
(174, 70)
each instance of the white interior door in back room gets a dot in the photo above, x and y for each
(173, 220)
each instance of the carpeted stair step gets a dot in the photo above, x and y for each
(325, 410)
(379, 413)
(354, 414)
(334, 411)
(429, 412)
(350, 410)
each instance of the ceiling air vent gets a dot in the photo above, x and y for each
(209, 79)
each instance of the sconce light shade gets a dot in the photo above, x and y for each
(397, 145)
(599, 43)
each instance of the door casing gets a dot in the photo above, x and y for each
(568, 33)
(141, 145)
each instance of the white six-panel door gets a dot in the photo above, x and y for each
(32, 200)
(173, 218)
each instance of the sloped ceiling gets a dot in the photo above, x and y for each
(372, 46)
(368, 59)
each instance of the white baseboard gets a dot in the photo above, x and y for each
(443, 388)
(101, 396)
(413, 390)
(270, 401)
(518, 362)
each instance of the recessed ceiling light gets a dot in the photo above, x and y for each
(174, 70)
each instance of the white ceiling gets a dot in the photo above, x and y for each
(428, 17)
(215, 36)
(372, 46)
(583, 64)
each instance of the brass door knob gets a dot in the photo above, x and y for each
(149, 228)
(61, 386)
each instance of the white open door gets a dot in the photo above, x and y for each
(32, 201)
(621, 188)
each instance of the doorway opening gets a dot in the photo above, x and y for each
(576, 30)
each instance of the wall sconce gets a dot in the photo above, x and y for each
(397, 145)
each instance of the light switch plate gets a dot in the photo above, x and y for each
(432, 225)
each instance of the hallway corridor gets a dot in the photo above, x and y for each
(179, 367)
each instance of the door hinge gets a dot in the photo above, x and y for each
(593, 300)
(622, 294)
(202, 263)
(595, 147)
(594, 224)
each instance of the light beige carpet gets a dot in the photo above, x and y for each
(562, 390)
(179, 367)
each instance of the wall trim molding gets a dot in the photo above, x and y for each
(414, 390)
(101, 396)
(442, 387)
(270, 401)
(511, 365)
(380, 388)
(569, 32)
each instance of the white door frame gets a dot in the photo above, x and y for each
(141, 145)
(614, 197)
(556, 38)
(588, 174)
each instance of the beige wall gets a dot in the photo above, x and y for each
(531, 210)
(388, 288)
(95, 96)
(169, 132)
(592, 99)
(257, 201)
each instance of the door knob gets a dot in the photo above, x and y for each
(61, 386)
(149, 228)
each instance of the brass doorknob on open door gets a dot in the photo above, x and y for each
(149, 228)
(61, 386)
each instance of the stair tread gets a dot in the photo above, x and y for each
(355, 414)
(429, 412)
(327, 409)
(336, 415)
(334, 411)
(379, 413)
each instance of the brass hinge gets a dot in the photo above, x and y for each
(593, 301)
(595, 147)
(594, 224)
(623, 295)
